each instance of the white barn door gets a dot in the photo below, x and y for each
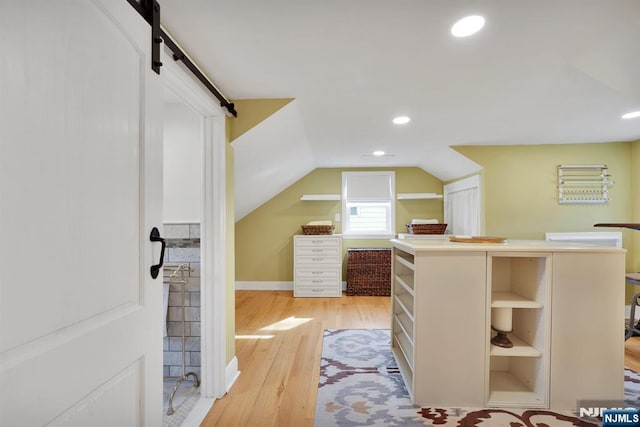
(80, 190)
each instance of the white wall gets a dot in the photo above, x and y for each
(269, 158)
(182, 164)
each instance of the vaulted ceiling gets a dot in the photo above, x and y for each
(539, 72)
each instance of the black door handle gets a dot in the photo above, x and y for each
(155, 237)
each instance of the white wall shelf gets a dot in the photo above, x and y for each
(417, 196)
(317, 197)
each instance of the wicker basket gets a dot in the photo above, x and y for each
(318, 229)
(369, 271)
(426, 228)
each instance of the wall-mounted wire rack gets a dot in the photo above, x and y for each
(583, 184)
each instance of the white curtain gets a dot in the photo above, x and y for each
(462, 207)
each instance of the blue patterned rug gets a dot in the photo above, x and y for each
(360, 385)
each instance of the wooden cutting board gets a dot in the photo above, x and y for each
(478, 239)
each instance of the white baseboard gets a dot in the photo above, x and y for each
(204, 404)
(269, 286)
(264, 286)
(199, 412)
(231, 374)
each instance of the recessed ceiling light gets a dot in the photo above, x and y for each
(401, 120)
(467, 26)
(378, 153)
(631, 115)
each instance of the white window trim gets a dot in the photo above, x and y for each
(385, 235)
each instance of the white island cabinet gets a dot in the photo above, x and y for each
(564, 304)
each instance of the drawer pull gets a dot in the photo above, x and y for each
(316, 281)
(316, 259)
(316, 250)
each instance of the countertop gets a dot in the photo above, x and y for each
(444, 245)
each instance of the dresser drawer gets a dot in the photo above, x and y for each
(317, 292)
(334, 273)
(317, 260)
(310, 281)
(317, 242)
(317, 251)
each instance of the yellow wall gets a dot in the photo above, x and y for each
(264, 238)
(521, 193)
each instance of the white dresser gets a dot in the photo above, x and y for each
(317, 266)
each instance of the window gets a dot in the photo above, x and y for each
(368, 204)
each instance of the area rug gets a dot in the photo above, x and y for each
(631, 388)
(360, 385)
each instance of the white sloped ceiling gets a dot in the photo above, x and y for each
(269, 158)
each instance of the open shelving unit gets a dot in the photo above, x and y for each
(445, 297)
(519, 376)
(403, 322)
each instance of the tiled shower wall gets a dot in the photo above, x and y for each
(183, 247)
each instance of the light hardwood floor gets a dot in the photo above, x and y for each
(632, 353)
(278, 346)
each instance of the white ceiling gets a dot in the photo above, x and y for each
(262, 169)
(540, 72)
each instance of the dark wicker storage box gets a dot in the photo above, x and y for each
(369, 271)
(318, 230)
(426, 228)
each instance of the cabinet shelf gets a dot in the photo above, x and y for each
(318, 197)
(418, 196)
(406, 348)
(404, 285)
(406, 262)
(507, 390)
(405, 301)
(406, 324)
(405, 370)
(519, 349)
(512, 300)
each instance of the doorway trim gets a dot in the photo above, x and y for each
(212, 228)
